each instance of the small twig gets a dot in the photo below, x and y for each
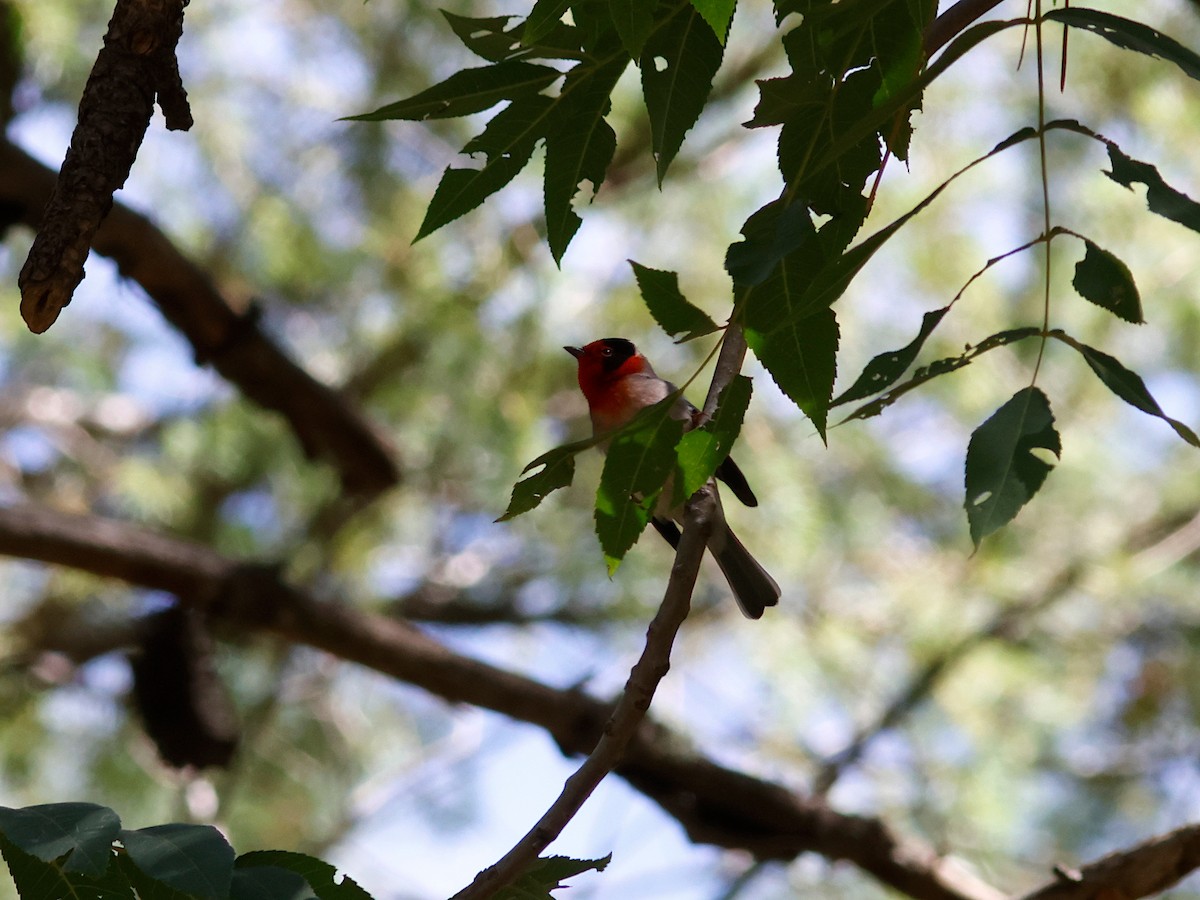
(644, 679)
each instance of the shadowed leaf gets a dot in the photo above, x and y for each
(191, 859)
(1129, 35)
(802, 358)
(671, 310)
(557, 470)
(1106, 281)
(678, 64)
(885, 369)
(468, 91)
(1002, 471)
(1126, 384)
(80, 835)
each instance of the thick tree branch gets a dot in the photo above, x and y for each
(714, 804)
(135, 66)
(327, 426)
(1142, 871)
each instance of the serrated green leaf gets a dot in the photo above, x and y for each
(772, 232)
(486, 37)
(547, 874)
(942, 367)
(468, 91)
(634, 20)
(802, 359)
(269, 883)
(37, 879)
(545, 16)
(1129, 35)
(1160, 196)
(1126, 384)
(557, 470)
(718, 14)
(320, 875)
(580, 146)
(507, 144)
(702, 449)
(1103, 279)
(668, 306)
(1002, 471)
(885, 369)
(191, 859)
(640, 459)
(677, 65)
(79, 834)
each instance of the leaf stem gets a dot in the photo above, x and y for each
(1047, 230)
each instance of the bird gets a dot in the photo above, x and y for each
(618, 382)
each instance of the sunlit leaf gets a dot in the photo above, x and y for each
(468, 91)
(718, 14)
(1003, 472)
(579, 147)
(885, 369)
(639, 461)
(1106, 281)
(1129, 35)
(1126, 384)
(677, 65)
(671, 310)
(702, 449)
(801, 356)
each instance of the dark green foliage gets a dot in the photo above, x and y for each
(1003, 471)
(548, 873)
(671, 310)
(857, 72)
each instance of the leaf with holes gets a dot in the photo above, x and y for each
(1103, 279)
(671, 310)
(1160, 196)
(1004, 468)
(678, 64)
(885, 369)
(320, 875)
(79, 835)
(1129, 35)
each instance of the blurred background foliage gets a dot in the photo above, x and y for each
(1043, 691)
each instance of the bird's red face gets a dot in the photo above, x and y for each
(602, 365)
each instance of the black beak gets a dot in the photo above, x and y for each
(574, 351)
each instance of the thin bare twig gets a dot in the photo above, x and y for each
(635, 700)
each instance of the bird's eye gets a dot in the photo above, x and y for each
(607, 351)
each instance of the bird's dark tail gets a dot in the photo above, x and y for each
(753, 587)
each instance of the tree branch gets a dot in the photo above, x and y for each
(326, 425)
(1142, 871)
(135, 66)
(715, 805)
(630, 710)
